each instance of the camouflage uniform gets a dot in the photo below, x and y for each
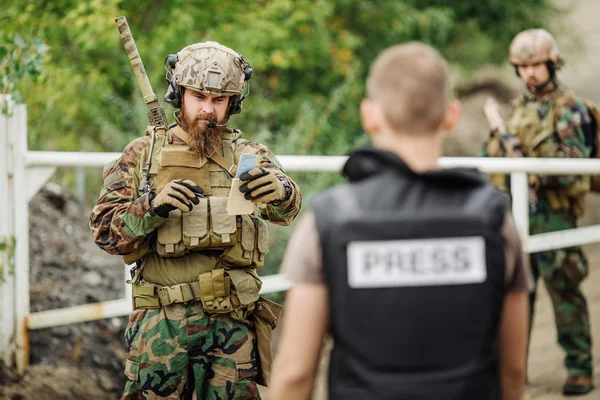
(179, 348)
(553, 128)
(199, 328)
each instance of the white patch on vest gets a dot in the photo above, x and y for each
(416, 262)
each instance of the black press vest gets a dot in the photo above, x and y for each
(415, 268)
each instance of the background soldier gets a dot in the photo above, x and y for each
(198, 325)
(551, 121)
(416, 272)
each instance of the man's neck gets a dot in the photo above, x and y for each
(419, 151)
(543, 94)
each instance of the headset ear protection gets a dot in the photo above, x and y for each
(173, 95)
(236, 101)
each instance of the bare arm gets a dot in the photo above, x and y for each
(512, 337)
(304, 327)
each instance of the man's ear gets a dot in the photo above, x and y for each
(451, 117)
(369, 117)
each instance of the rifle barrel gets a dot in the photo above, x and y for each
(156, 115)
(136, 62)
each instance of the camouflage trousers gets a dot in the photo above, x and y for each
(563, 271)
(179, 352)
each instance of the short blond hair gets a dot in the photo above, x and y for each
(411, 82)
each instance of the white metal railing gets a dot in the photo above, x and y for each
(25, 171)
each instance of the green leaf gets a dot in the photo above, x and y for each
(19, 41)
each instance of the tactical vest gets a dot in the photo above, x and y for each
(534, 128)
(243, 240)
(535, 125)
(415, 271)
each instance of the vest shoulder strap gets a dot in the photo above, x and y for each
(229, 167)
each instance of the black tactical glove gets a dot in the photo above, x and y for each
(263, 186)
(179, 194)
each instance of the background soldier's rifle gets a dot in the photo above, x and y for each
(156, 115)
(511, 144)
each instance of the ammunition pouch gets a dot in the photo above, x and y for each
(251, 244)
(266, 317)
(560, 200)
(206, 226)
(220, 291)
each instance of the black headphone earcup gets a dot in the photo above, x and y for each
(173, 95)
(236, 104)
(247, 72)
(551, 69)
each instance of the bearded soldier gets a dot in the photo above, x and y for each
(198, 327)
(551, 121)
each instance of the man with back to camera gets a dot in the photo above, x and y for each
(416, 272)
(551, 121)
(198, 328)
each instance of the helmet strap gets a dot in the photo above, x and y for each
(552, 79)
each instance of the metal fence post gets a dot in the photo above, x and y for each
(18, 134)
(519, 188)
(7, 311)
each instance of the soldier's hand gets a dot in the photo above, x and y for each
(261, 186)
(177, 194)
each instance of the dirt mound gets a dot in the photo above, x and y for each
(45, 382)
(78, 360)
(473, 127)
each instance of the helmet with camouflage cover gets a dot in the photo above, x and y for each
(207, 67)
(534, 46)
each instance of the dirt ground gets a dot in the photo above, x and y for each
(546, 366)
(78, 360)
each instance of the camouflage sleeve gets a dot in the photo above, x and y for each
(571, 144)
(120, 221)
(284, 212)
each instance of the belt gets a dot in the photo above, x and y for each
(212, 288)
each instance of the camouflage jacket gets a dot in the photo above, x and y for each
(121, 221)
(552, 127)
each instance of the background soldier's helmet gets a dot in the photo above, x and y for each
(207, 67)
(534, 46)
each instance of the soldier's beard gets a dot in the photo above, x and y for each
(203, 140)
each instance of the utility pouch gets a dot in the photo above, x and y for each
(578, 207)
(242, 253)
(215, 293)
(262, 243)
(246, 285)
(266, 317)
(195, 226)
(580, 187)
(223, 224)
(169, 235)
(144, 295)
(554, 200)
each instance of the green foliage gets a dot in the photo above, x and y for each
(19, 59)
(310, 59)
